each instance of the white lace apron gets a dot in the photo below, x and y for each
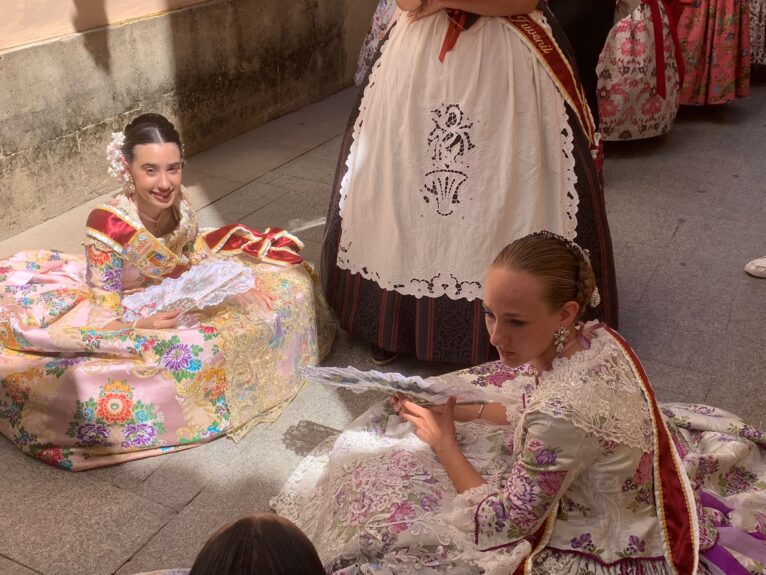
(453, 160)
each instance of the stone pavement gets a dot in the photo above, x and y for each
(686, 213)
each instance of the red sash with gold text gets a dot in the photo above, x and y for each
(539, 40)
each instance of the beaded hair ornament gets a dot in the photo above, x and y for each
(581, 254)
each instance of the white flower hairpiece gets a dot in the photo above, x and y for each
(118, 167)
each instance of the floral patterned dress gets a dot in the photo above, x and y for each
(573, 486)
(758, 32)
(638, 75)
(381, 20)
(715, 42)
(78, 395)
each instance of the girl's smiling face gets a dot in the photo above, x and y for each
(156, 171)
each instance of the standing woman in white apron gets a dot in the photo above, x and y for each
(472, 130)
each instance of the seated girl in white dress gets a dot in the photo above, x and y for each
(577, 470)
(165, 336)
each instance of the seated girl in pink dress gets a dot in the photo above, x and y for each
(164, 336)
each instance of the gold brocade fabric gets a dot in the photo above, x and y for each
(264, 351)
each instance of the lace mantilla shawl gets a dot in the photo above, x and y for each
(597, 391)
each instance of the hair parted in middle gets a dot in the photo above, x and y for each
(563, 266)
(150, 129)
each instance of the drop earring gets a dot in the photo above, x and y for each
(560, 337)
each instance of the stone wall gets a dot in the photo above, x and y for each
(216, 69)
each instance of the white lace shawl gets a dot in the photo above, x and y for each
(597, 391)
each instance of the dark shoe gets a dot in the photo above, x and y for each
(382, 356)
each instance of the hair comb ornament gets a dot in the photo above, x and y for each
(595, 297)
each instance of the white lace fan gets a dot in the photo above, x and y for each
(203, 285)
(429, 391)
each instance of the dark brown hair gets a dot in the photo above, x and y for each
(263, 544)
(562, 265)
(150, 129)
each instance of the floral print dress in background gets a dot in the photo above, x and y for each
(576, 474)
(637, 91)
(381, 20)
(758, 32)
(715, 43)
(78, 395)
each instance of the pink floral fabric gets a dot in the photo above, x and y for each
(77, 394)
(629, 104)
(715, 42)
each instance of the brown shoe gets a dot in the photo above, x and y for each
(382, 356)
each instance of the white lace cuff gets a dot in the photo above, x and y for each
(472, 497)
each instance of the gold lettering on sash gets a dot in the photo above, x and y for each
(534, 35)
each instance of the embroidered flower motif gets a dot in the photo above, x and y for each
(521, 490)
(641, 483)
(358, 511)
(177, 357)
(584, 542)
(114, 407)
(551, 481)
(635, 545)
(707, 466)
(545, 457)
(92, 434)
(499, 378)
(138, 435)
(97, 257)
(429, 502)
(56, 456)
(749, 432)
(643, 472)
(737, 480)
(117, 386)
(401, 517)
(535, 445)
(111, 279)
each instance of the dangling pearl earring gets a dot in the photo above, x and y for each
(560, 337)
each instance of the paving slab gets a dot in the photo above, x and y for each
(131, 474)
(64, 523)
(237, 205)
(9, 567)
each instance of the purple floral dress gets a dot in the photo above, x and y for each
(576, 457)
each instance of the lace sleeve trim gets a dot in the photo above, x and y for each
(472, 497)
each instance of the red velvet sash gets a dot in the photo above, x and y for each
(659, 45)
(273, 245)
(675, 504)
(547, 50)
